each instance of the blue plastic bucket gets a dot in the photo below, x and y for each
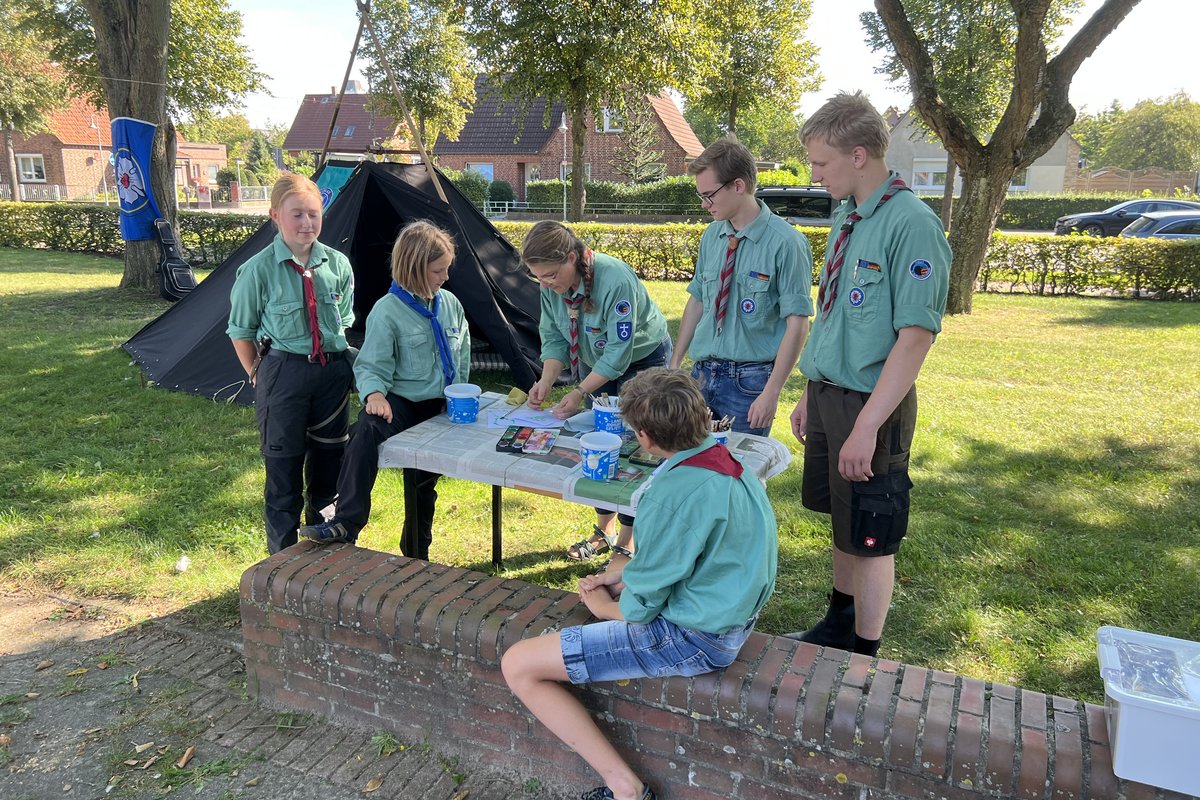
(462, 402)
(599, 452)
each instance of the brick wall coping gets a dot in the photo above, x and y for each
(386, 642)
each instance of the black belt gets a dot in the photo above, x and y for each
(273, 353)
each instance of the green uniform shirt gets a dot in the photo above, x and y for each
(706, 548)
(625, 325)
(772, 280)
(895, 275)
(267, 299)
(400, 355)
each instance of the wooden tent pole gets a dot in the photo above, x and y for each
(338, 105)
(364, 13)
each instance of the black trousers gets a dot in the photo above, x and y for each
(303, 412)
(360, 468)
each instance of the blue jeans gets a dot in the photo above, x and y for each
(617, 650)
(730, 387)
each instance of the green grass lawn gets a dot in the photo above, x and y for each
(1057, 464)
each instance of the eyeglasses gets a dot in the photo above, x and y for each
(707, 197)
(543, 279)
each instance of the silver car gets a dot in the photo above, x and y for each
(1165, 225)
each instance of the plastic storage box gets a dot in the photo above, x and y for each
(1152, 695)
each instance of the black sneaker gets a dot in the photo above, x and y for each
(326, 533)
(604, 793)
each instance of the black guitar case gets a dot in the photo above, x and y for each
(175, 277)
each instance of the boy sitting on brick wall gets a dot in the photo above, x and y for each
(684, 605)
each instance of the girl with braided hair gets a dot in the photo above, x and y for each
(598, 322)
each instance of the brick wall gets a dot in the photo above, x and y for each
(385, 642)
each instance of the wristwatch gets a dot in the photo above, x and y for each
(622, 551)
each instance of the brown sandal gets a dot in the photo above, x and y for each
(594, 545)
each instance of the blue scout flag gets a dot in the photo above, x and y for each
(131, 144)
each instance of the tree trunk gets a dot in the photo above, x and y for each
(10, 165)
(578, 175)
(982, 193)
(948, 192)
(131, 50)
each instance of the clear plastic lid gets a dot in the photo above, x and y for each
(1150, 667)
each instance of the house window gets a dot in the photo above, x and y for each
(212, 173)
(32, 169)
(1020, 180)
(929, 173)
(533, 172)
(613, 123)
(349, 131)
(483, 168)
(564, 171)
(336, 128)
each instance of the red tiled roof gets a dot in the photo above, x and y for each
(676, 125)
(311, 125)
(72, 125)
(496, 125)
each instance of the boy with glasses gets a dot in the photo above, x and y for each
(750, 299)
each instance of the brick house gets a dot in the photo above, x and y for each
(70, 160)
(503, 144)
(921, 160)
(357, 130)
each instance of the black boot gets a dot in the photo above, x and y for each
(836, 628)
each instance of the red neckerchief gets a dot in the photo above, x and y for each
(310, 302)
(716, 458)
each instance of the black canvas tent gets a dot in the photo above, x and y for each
(186, 348)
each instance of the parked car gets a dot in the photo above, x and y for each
(800, 205)
(1166, 225)
(1112, 221)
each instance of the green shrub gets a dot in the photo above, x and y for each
(470, 183)
(778, 177)
(673, 195)
(501, 192)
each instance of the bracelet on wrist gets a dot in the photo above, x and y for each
(622, 551)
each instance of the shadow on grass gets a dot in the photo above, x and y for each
(1137, 314)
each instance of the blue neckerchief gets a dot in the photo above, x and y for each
(439, 334)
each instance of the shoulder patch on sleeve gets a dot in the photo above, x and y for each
(920, 269)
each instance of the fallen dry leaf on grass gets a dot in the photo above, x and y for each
(463, 795)
(133, 762)
(149, 762)
(102, 665)
(5, 740)
(373, 784)
(41, 665)
(186, 757)
(141, 748)
(75, 672)
(254, 781)
(32, 695)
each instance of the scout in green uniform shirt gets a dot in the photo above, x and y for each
(772, 281)
(880, 300)
(618, 331)
(267, 299)
(746, 318)
(300, 295)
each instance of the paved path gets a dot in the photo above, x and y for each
(96, 708)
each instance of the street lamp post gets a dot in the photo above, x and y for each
(562, 126)
(103, 166)
(238, 162)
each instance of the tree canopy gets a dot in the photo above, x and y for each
(424, 44)
(588, 54)
(770, 130)
(751, 53)
(1155, 133)
(1036, 112)
(208, 68)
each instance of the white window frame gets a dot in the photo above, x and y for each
(931, 167)
(485, 168)
(213, 169)
(533, 172)
(349, 131)
(564, 169)
(28, 174)
(1023, 185)
(612, 122)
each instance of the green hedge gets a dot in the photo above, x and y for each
(1037, 212)
(206, 238)
(676, 194)
(1037, 264)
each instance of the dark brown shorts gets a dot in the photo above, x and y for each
(870, 518)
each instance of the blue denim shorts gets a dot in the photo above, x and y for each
(730, 387)
(617, 650)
